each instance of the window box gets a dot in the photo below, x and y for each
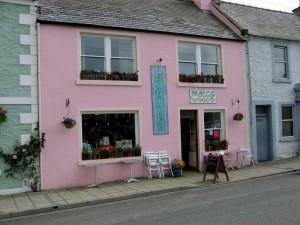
(216, 79)
(101, 75)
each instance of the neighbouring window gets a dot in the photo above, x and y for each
(287, 120)
(214, 130)
(110, 135)
(195, 59)
(107, 58)
(281, 68)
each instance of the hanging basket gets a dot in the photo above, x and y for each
(238, 116)
(68, 122)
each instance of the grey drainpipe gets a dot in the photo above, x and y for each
(248, 72)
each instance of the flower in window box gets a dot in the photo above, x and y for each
(3, 115)
(119, 153)
(224, 144)
(84, 153)
(238, 116)
(104, 154)
(68, 122)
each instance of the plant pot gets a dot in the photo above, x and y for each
(69, 125)
(177, 172)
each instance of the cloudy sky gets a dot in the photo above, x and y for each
(281, 5)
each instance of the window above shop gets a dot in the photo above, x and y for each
(108, 59)
(199, 63)
(107, 135)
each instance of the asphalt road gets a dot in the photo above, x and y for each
(271, 200)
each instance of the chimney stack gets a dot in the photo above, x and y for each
(297, 10)
(203, 4)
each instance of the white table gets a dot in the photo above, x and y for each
(131, 179)
(94, 184)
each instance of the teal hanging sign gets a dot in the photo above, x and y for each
(159, 100)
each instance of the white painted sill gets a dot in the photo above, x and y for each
(109, 161)
(201, 85)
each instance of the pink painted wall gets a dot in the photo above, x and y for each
(58, 74)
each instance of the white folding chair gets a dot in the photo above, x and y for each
(152, 163)
(165, 163)
(226, 160)
(246, 154)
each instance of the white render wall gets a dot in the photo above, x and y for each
(264, 89)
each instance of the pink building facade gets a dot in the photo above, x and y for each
(119, 112)
(60, 80)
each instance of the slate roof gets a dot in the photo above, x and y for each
(264, 22)
(168, 16)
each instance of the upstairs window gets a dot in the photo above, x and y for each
(107, 58)
(197, 59)
(280, 63)
(281, 70)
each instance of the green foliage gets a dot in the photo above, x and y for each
(24, 161)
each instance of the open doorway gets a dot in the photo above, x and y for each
(189, 145)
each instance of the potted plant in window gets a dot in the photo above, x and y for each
(177, 166)
(68, 122)
(137, 150)
(238, 116)
(224, 144)
(3, 115)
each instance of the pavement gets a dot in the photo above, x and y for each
(59, 199)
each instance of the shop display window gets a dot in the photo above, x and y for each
(109, 135)
(214, 131)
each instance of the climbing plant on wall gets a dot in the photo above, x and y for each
(23, 160)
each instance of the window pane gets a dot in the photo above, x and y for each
(280, 53)
(209, 54)
(92, 46)
(209, 69)
(187, 52)
(121, 48)
(280, 70)
(122, 65)
(212, 120)
(91, 63)
(287, 128)
(287, 112)
(187, 68)
(116, 127)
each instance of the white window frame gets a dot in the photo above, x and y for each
(137, 118)
(198, 61)
(107, 58)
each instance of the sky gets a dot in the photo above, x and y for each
(280, 5)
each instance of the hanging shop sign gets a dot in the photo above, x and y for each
(198, 96)
(159, 100)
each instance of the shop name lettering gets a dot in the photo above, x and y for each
(203, 96)
(160, 101)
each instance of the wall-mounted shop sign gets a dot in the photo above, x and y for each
(159, 100)
(198, 96)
